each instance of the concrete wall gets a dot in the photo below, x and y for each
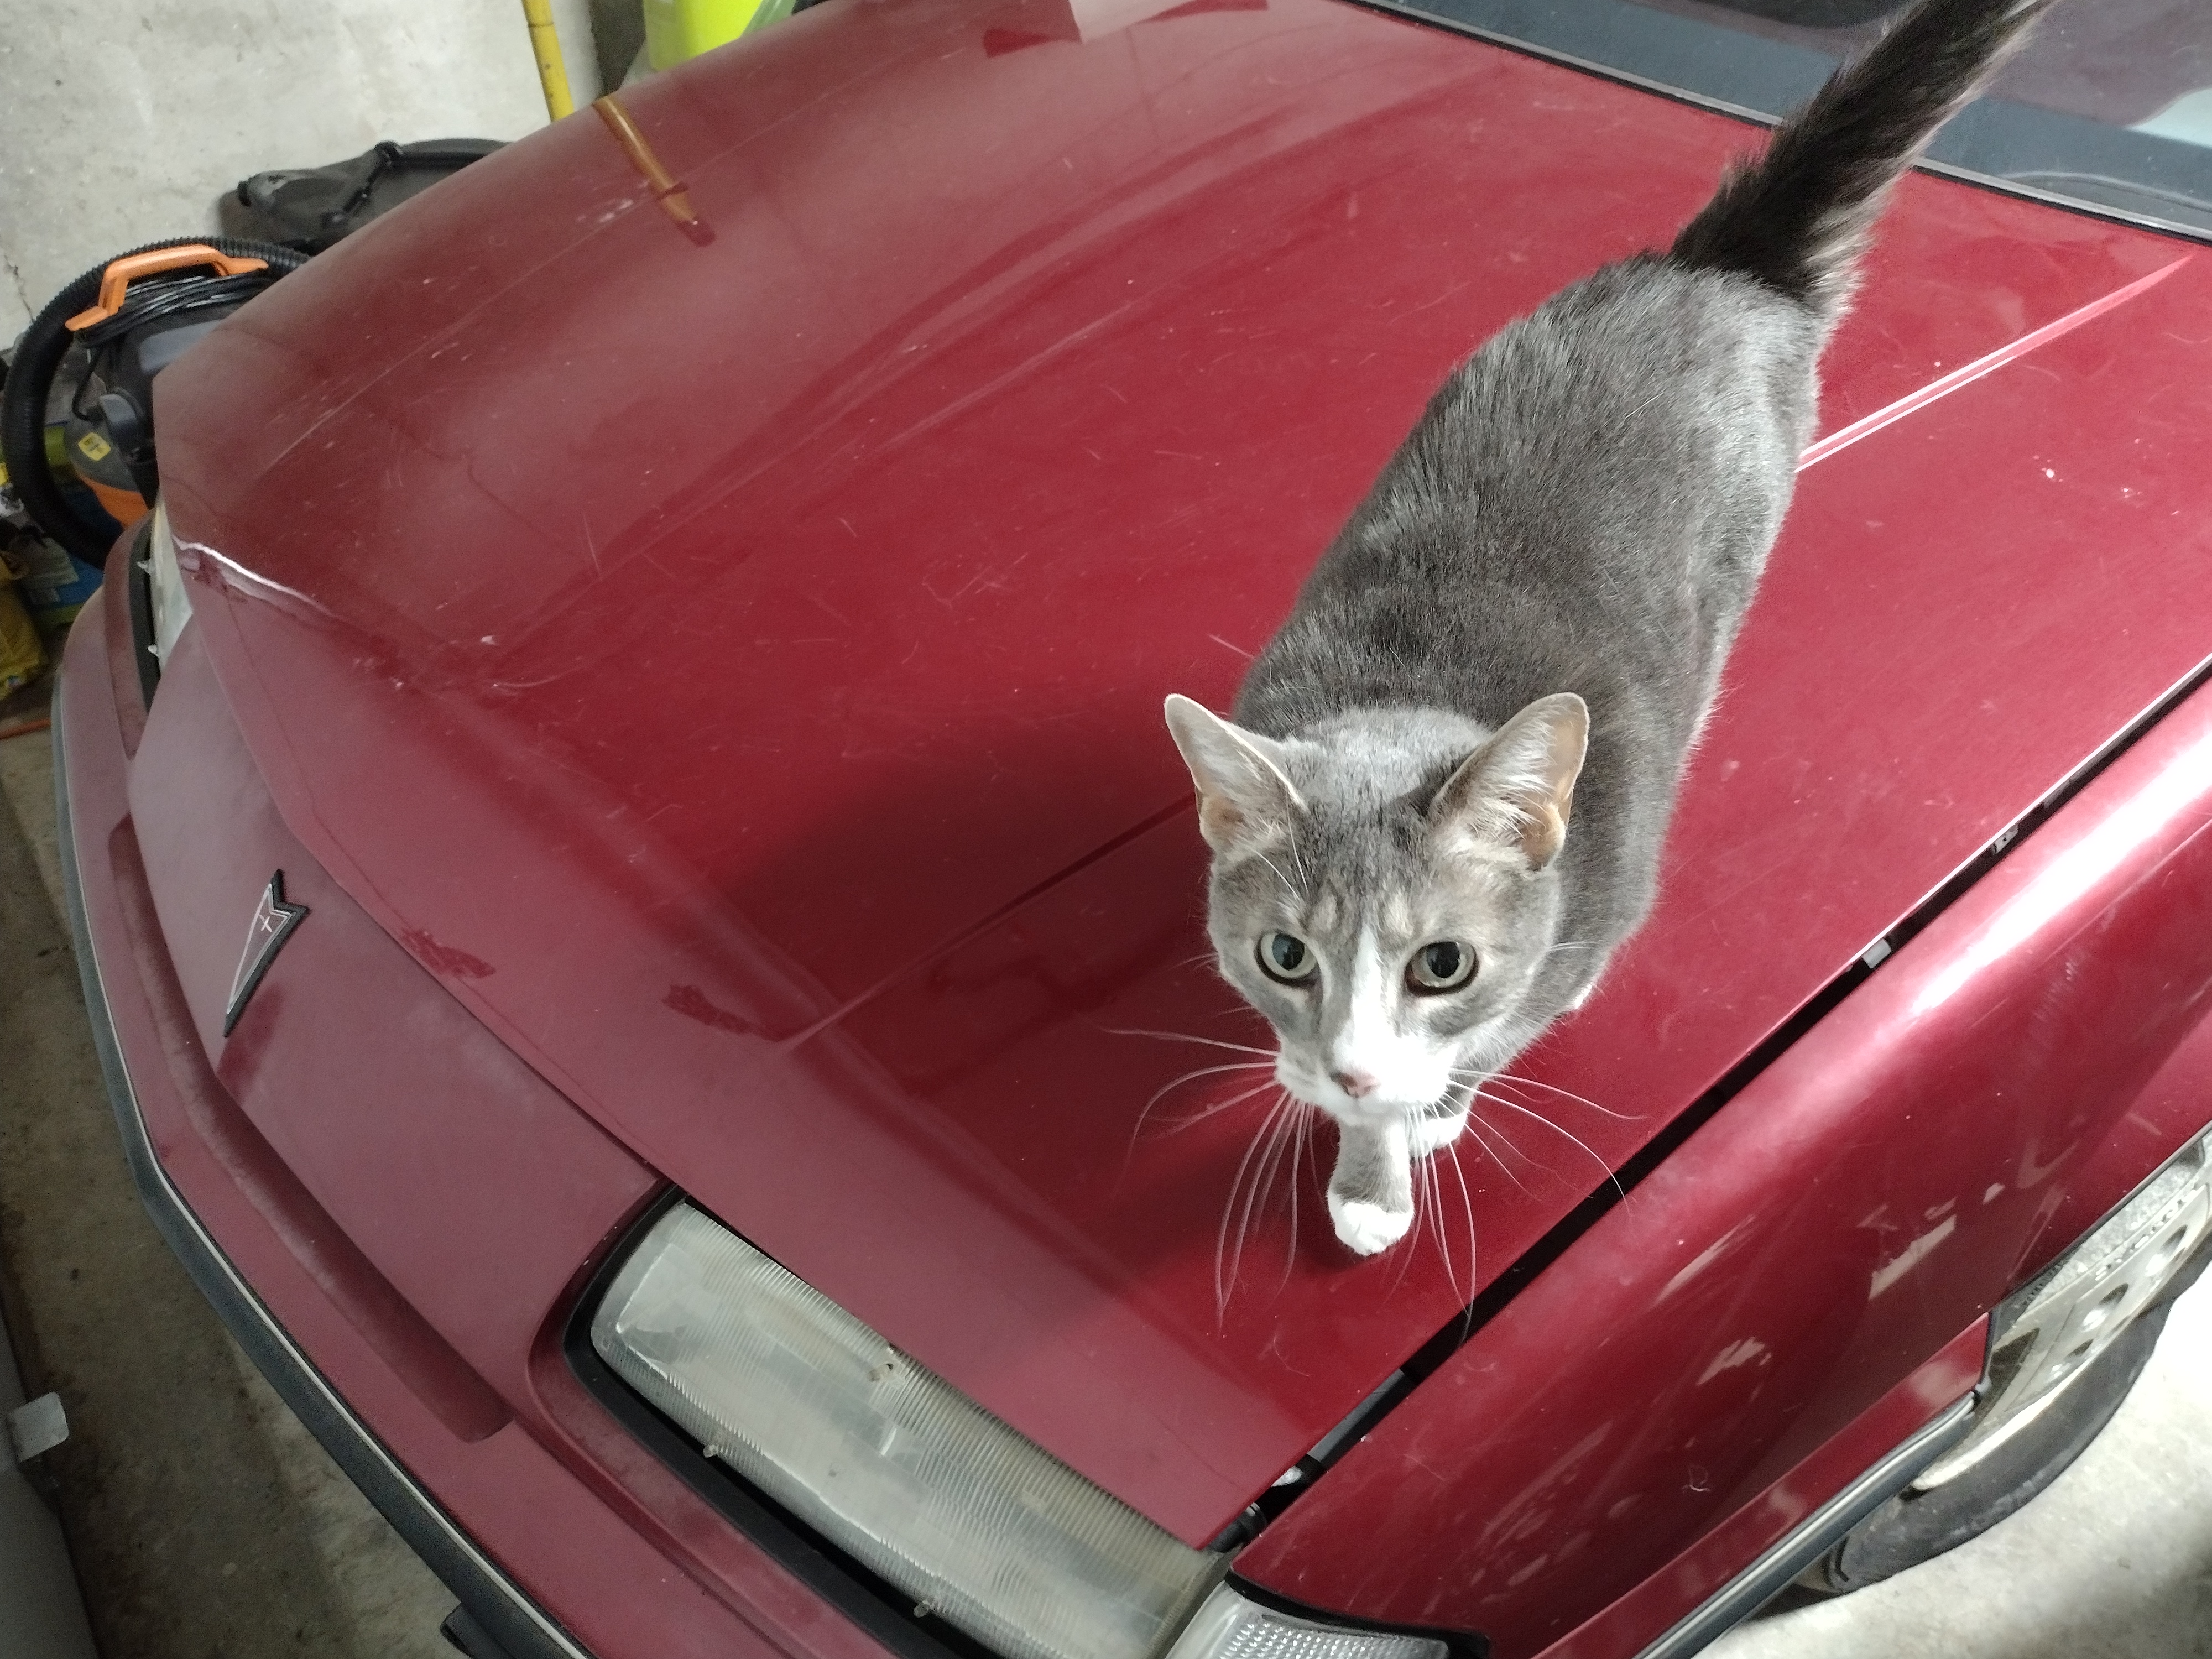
(121, 122)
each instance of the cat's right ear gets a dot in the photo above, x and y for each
(1245, 801)
(1517, 791)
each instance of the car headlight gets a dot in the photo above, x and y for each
(886, 1459)
(893, 1465)
(1233, 1627)
(169, 608)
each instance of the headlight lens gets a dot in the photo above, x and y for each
(886, 1459)
(164, 586)
(1231, 1626)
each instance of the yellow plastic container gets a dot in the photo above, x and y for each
(22, 653)
(677, 29)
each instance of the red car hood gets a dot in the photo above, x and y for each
(731, 659)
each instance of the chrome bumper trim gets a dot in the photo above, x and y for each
(1750, 1590)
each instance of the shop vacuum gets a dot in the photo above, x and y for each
(116, 327)
(81, 462)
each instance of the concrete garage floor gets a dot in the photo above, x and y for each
(207, 1524)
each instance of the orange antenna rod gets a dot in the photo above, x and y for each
(667, 190)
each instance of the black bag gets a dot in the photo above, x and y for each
(310, 208)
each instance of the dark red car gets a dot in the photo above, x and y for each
(648, 935)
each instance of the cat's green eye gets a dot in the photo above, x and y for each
(1444, 966)
(1287, 957)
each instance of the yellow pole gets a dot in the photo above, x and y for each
(545, 41)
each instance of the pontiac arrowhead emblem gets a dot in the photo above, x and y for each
(273, 923)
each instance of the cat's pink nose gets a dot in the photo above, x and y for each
(1358, 1084)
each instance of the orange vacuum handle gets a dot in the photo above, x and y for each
(117, 277)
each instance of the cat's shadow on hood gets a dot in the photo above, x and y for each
(1036, 1026)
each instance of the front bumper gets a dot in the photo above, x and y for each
(510, 1618)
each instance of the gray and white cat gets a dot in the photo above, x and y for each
(1441, 805)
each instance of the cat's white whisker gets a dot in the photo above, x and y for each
(1483, 1141)
(1203, 1071)
(1225, 1282)
(1434, 1204)
(1185, 1036)
(1513, 1145)
(1500, 1100)
(1554, 1088)
(1299, 1148)
(1282, 1140)
(1137, 1129)
(1176, 1126)
(1474, 1257)
(1435, 1183)
(1280, 1123)
(1416, 1190)
(1467, 1202)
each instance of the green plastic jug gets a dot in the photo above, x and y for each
(677, 29)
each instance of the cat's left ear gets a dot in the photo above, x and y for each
(1245, 799)
(1517, 790)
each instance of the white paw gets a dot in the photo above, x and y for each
(1426, 1135)
(1366, 1228)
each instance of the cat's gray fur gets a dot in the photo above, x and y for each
(1570, 536)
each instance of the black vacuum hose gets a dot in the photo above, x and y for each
(23, 404)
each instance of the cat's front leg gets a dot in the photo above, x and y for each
(1370, 1196)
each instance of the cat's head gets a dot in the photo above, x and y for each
(1385, 887)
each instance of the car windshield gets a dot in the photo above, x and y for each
(2110, 105)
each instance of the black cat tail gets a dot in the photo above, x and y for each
(1798, 217)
